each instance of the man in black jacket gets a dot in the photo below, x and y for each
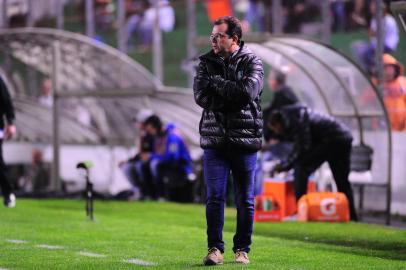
(7, 130)
(316, 138)
(283, 95)
(228, 85)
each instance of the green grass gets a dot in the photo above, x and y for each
(173, 237)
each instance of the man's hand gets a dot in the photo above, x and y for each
(273, 141)
(276, 169)
(215, 80)
(10, 131)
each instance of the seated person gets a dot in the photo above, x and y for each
(364, 51)
(274, 148)
(142, 22)
(283, 95)
(297, 12)
(170, 160)
(37, 176)
(316, 138)
(136, 170)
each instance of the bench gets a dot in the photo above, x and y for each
(360, 176)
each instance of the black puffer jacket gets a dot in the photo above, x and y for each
(229, 92)
(308, 129)
(6, 106)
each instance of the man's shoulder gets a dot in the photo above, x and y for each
(210, 55)
(173, 136)
(248, 57)
(245, 51)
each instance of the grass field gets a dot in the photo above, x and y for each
(57, 235)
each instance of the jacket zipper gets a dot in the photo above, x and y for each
(226, 114)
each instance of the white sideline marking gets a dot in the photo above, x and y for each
(3, 269)
(50, 247)
(140, 262)
(90, 254)
(15, 241)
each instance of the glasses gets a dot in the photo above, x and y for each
(217, 37)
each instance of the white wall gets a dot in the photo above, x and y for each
(108, 178)
(105, 174)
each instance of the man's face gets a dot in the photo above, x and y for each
(220, 41)
(273, 84)
(46, 87)
(389, 72)
(277, 128)
(150, 129)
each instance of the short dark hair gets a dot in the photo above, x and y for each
(233, 26)
(275, 118)
(279, 76)
(154, 121)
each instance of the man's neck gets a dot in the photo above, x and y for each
(232, 50)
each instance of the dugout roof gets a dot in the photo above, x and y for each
(328, 81)
(90, 76)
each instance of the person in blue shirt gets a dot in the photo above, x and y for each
(170, 163)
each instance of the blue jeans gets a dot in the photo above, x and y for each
(217, 166)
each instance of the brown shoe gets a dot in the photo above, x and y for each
(241, 257)
(214, 257)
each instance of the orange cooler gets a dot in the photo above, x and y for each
(323, 206)
(267, 208)
(284, 193)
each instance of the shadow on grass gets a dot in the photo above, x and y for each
(225, 264)
(359, 239)
(360, 244)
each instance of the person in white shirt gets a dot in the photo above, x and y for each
(142, 23)
(364, 51)
(45, 98)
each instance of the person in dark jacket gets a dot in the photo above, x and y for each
(135, 170)
(283, 95)
(228, 85)
(7, 131)
(170, 158)
(316, 138)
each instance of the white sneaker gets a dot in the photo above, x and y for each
(241, 257)
(214, 257)
(10, 202)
